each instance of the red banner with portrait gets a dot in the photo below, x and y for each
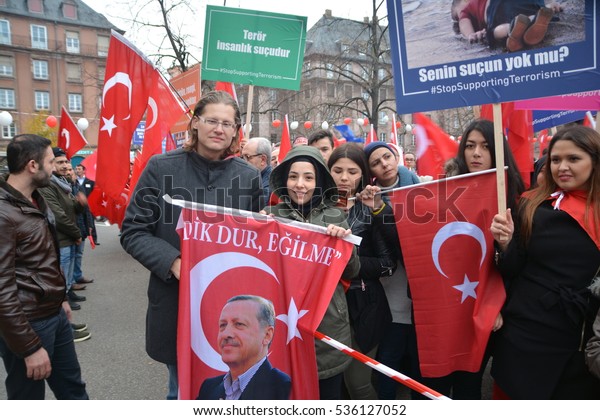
(226, 253)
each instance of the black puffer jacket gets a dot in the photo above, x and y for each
(31, 283)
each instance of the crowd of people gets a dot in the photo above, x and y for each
(545, 342)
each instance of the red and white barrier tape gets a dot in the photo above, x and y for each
(374, 364)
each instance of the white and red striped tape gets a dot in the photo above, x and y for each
(374, 364)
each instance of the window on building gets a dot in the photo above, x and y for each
(348, 91)
(381, 73)
(272, 95)
(7, 65)
(9, 131)
(42, 100)
(75, 102)
(4, 32)
(307, 68)
(382, 116)
(365, 74)
(72, 42)
(7, 98)
(329, 68)
(103, 42)
(40, 69)
(101, 74)
(383, 137)
(348, 69)
(307, 93)
(273, 115)
(382, 94)
(345, 48)
(331, 90)
(35, 6)
(366, 95)
(73, 72)
(39, 38)
(69, 10)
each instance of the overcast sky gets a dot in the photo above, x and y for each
(120, 13)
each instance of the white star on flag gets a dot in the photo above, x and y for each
(109, 125)
(467, 289)
(291, 320)
(104, 203)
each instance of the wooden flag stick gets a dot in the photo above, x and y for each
(499, 149)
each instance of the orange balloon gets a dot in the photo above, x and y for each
(366, 122)
(398, 124)
(307, 125)
(51, 121)
(347, 120)
(276, 123)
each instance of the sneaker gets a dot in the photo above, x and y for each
(75, 297)
(79, 327)
(81, 336)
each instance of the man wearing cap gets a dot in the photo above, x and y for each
(65, 207)
(36, 341)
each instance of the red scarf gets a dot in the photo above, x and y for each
(574, 203)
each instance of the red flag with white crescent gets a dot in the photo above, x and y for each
(70, 138)
(225, 255)
(372, 136)
(448, 250)
(129, 79)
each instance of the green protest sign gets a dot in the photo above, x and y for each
(253, 48)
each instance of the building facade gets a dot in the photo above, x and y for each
(347, 74)
(52, 54)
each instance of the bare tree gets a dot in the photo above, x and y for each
(165, 25)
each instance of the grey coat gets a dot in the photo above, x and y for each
(149, 228)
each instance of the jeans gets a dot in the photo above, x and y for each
(331, 388)
(398, 350)
(65, 381)
(67, 263)
(77, 273)
(173, 392)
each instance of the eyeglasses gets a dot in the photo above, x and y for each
(248, 157)
(409, 160)
(227, 125)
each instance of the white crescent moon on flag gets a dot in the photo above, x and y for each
(201, 276)
(65, 133)
(453, 229)
(422, 140)
(122, 78)
(154, 108)
(125, 196)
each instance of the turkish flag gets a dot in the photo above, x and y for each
(129, 80)
(164, 110)
(394, 131)
(448, 251)
(372, 136)
(101, 204)
(434, 147)
(286, 142)
(70, 138)
(226, 253)
(517, 125)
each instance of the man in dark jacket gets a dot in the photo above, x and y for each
(65, 206)
(246, 329)
(203, 171)
(36, 340)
